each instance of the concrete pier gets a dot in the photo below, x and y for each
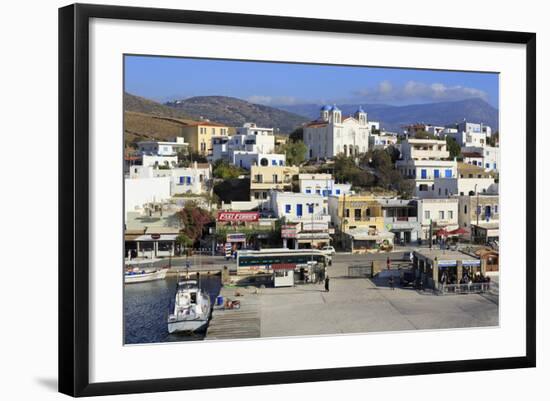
(353, 305)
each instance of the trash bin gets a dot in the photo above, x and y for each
(219, 300)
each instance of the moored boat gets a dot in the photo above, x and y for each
(139, 275)
(192, 308)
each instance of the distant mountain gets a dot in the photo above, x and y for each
(235, 112)
(393, 118)
(146, 106)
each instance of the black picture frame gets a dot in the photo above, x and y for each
(74, 201)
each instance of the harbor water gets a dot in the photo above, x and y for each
(147, 306)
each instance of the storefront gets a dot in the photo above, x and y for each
(149, 244)
(367, 241)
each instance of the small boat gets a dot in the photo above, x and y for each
(139, 275)
(191, 308)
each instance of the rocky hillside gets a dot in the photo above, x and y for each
(235, 112)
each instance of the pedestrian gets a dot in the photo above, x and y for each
(388, 262)
(391, 282)
(327, 283)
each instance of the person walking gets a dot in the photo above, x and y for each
(391, 282)
(327, 283)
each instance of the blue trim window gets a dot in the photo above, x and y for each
(288, 208)
(495, 166)
(337, 192)
(423, 173)
(487, 165)
(299, 211)
(280, 163)
(325, 192)
(310, 208)
(188, 180)
(448, 173)
(308, 191)
(436, 173)
(273, 162)
(182, 180)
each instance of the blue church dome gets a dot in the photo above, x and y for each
(335, 108)
(326, 107)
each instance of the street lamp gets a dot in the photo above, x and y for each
(311, 207)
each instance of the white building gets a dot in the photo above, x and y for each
(382, 140)
(435, 130)
(159, 153)
(487, 157)
(471, 134)
(423, 160)
(248, 138)
(246, 159)
(139, 191)
(440, 213)
(332, 134)
(295, 206)
(307, 213)
(183, 180)
(322, 184)
(470, 179)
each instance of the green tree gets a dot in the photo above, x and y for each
(222, 169)
(424, 135)
(295, 153)
(297, 135)
(453, 147)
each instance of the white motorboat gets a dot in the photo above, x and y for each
(191, 308)
(140, 275)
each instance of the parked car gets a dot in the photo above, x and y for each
(329, 250)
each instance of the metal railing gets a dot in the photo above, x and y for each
(473, 288)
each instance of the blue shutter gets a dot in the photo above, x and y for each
(310, 208)
(423, 173)
(299, 209)
(182, 180)
(448, 173)
(436, 173)
(188, 180)
(287, 209)
(273, 162)
(337, 192)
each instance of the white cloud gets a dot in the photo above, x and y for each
(414, 91)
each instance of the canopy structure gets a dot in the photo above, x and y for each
(458, 231)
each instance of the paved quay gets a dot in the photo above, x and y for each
(353, 305)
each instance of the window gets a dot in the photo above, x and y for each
(496, 209)
(436, 173)
(337, 192)
(450, 214)
(275, 178)
(281, 163)
(357, 214)
(273, 162)
(439, 191)
(446, 191)
(487, 165)
(441, 215)
(182, 180)
(258, 178)
(347, 213)
(422, 187)
(310, 208)
(427, 215)
(287, 209)
(423, 173)
(256, 195)
(299, 209)
(264, 195)
(448, 173)
(308, 190)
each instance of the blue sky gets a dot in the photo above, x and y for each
(168, 78)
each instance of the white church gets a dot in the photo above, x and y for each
(333, 134)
